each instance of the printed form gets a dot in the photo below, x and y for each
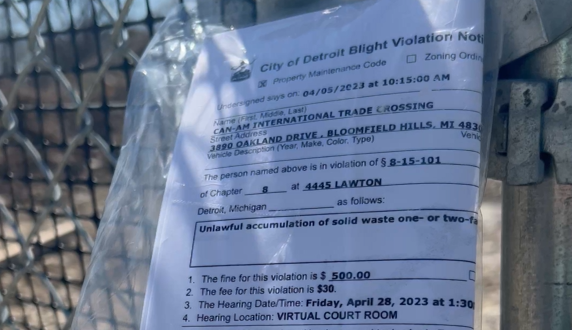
(326, 175)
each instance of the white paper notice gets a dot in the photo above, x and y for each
(326, 175)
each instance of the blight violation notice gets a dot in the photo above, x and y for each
(326, 175)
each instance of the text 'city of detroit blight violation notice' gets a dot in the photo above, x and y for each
(326, 175)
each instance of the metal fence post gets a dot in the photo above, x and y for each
(532, 155)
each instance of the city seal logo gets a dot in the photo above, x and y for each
(242, 71)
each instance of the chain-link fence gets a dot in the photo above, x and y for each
(65, 68)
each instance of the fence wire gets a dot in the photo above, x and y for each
(65, 67)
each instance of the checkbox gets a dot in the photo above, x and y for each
(411, 58)
(472, 275)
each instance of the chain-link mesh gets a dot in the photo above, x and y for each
(65, 67)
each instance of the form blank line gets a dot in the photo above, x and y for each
(342, 118)
(270, 192)
(303, 208)
(400, 184)
(403, 279)
(322, 324)
(336, 100)
(337, 262)
(347, 212)
(344, 155)
(457, 89)
(427, 129)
